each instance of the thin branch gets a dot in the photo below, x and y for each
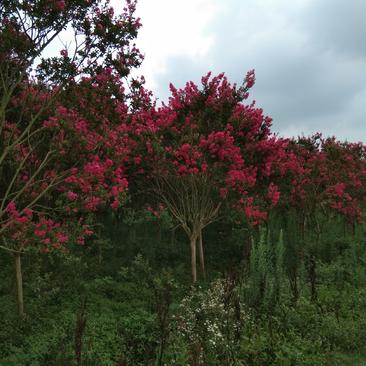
(11, 250)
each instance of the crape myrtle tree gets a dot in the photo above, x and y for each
(208, 151)
(65, 124)
(325, 178)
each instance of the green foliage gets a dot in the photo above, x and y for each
(266, 270)
(133, 309)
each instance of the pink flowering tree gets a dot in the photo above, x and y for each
(210, 150)
(324, 178)
(64, 125)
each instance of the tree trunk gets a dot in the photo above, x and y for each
(19, 283)
(79, 332)
(247, 249)
(100, 246)
(100, 253)
(159, 234)
(293, 285)
(172, 237)
(312, 278)
(194, 258)
(133, 234)
(202, 257)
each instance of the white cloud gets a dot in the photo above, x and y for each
(173, 28)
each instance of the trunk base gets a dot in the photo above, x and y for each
(19, 284)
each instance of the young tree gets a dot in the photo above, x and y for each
(325, 177)
(209, 149)
(59, 157)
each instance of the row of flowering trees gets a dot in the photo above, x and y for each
(76, 137)
(210, 154)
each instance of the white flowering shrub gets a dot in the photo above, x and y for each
(209, 325)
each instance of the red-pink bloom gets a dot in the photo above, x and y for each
(339, 189)
(250, 78)
(223, 192)
(62, 238)
(109, 163)
(137, 160)
(88, 232)
(115, 204)
(64, 53)
(28, 212)
(12, 209)
(72, 196)
(40, 233)
(114, 191)
(80, 240)
(92, 203)
(182, 170)
(22, 219)
(81, 125)
(273, 194)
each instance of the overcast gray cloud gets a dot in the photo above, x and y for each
(309, 56)
(337, 25)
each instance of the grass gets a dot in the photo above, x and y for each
(351, 359)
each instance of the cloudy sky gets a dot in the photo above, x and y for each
(309, 56)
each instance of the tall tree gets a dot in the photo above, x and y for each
(57, 157)
(325, 178)
(210, 150)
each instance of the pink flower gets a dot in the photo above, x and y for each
(22, 219)
(81, 125)
(339, 189)
(80, 240)
(182, 170)
(62, 238)
(88, 232)
(95, 169)
(273, 194)
(223, 192)
(137, 160)
(114, 191)
(64, 53)
(108, 163)
(115, 204)
(12, 208)
(250, 78)
(123, 182)
(72, 195)
(92, 203)
(28, 212)
(40, 233)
